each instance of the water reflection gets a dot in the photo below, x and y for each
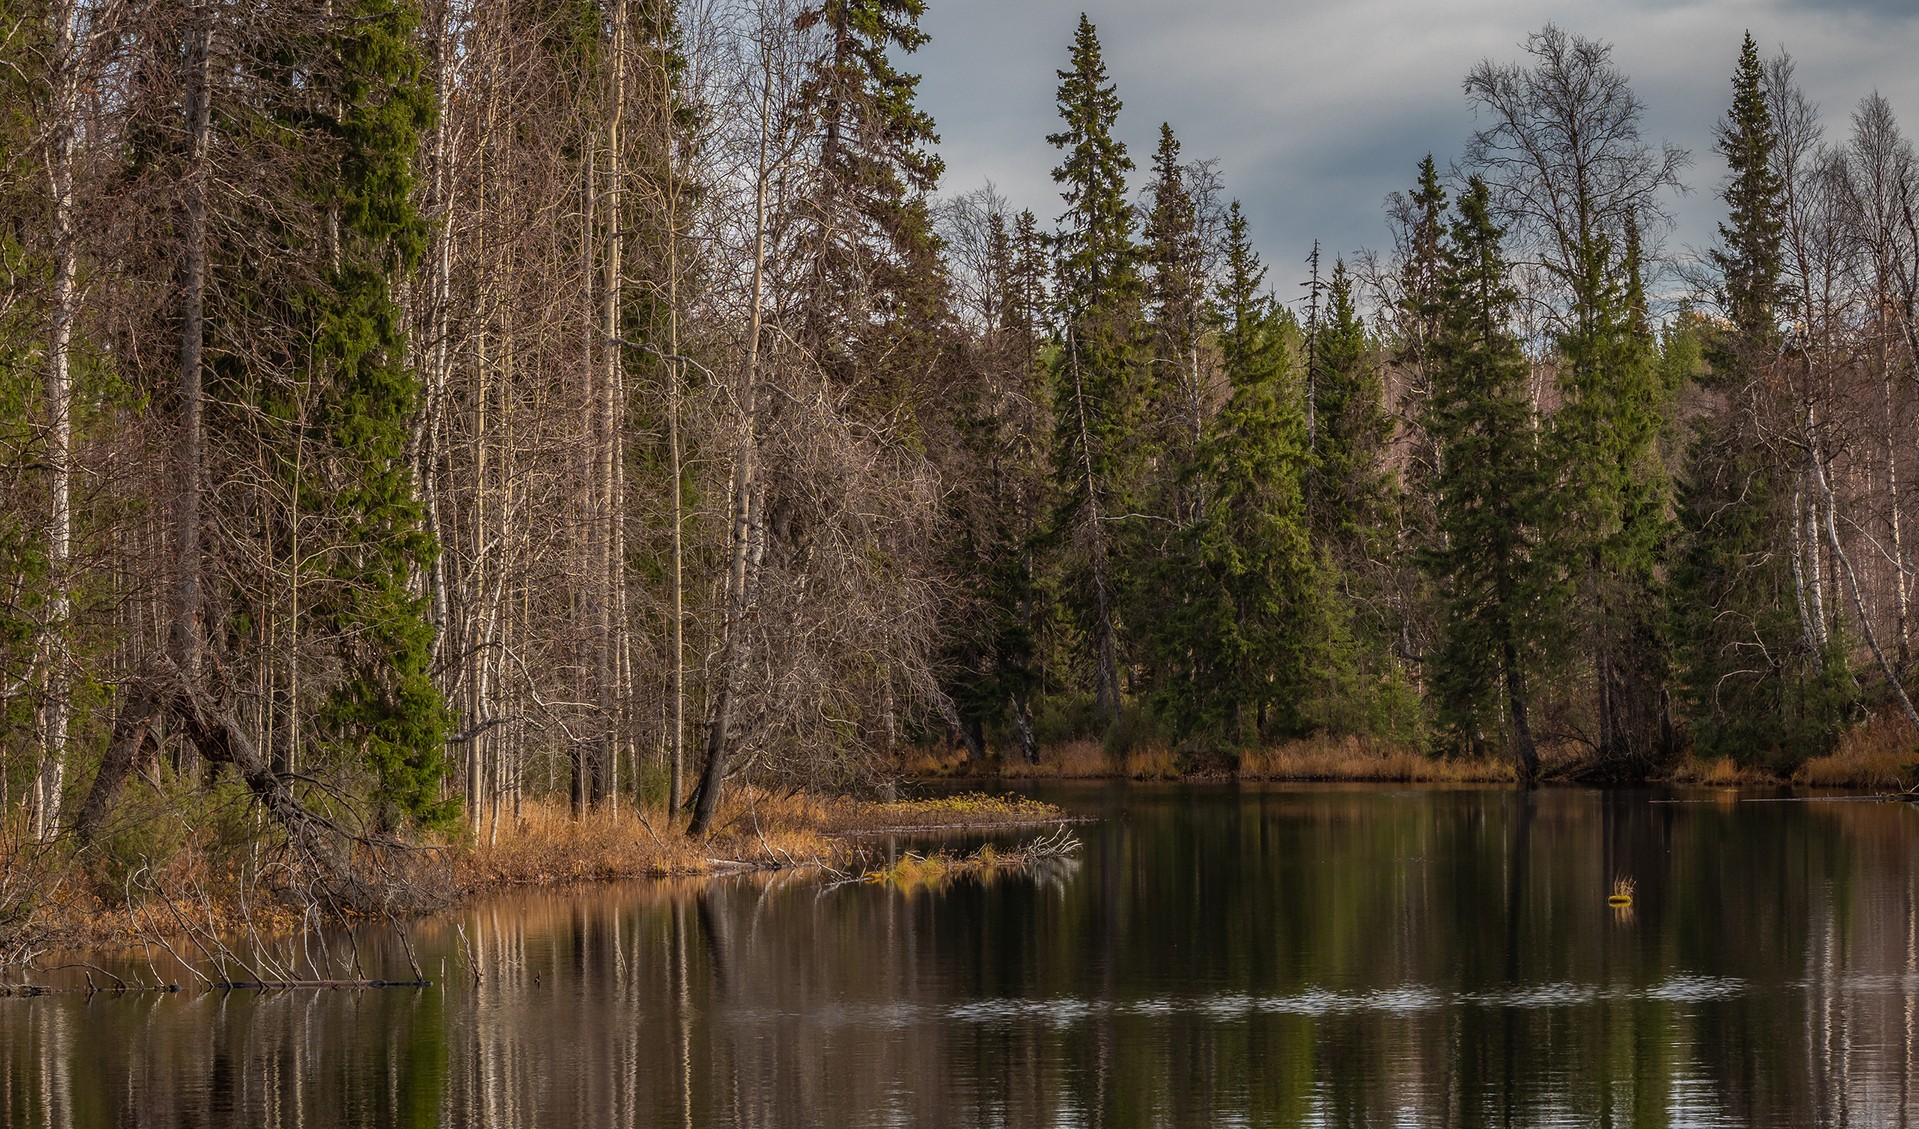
(1256, 956)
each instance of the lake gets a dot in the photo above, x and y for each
(1218, 955)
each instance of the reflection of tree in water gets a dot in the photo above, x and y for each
(1346, 956)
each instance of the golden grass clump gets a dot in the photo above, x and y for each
(1718, 772)
(1363, 759)
(1071, 760)
(973, 809)
(913, 871)
(1153, 764)
(1878, 754)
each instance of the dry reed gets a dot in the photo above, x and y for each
(1878, 754)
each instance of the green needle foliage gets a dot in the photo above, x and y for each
(387, 708)
(1758, 682)
(1488, 497)
(1250, 643)
(1099, 376)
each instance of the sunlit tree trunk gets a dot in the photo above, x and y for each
(62, 138)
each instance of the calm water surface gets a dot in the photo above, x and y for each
(1219, 956)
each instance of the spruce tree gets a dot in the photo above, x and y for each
(872, 278)
(1487, 496)
(1098, 373)
(1254, 629)
(992, 652)
(1352, 504)
(1756, 683)
(1174, 257)
(23, 558)
(1608, 518)
(1176, 398)
(386, 707)
(1351, 491)
(1751, 253)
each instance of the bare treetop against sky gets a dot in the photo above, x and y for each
(1317, 111)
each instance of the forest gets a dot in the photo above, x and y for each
(415, 409)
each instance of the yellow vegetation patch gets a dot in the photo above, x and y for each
(914, 871)
(1719, 772)
(1360, 759)
(1073, 760)
(1878, 754)
(968, 809)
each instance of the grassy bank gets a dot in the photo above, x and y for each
(1879, 755)
(209, 888)
(1328, 759)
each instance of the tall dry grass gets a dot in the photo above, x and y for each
(1070, 760)
(1878, 754)
(1306, 759)
(1363, 759)
(755, 828)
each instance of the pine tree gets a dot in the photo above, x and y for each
(1098, 379)
(1486, 495)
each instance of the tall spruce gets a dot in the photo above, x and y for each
(386, 708)
(1174, 255)
(992, 656)
(1487, 497)
(1351, 487)
(1099, 371)
(1610, 503)
(1253, 628)
(1757, 685)
(1351, 503)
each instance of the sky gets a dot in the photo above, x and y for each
(1317, 110)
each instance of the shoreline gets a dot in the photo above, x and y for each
(1870, 761)
(207, 904)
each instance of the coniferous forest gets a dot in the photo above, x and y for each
(414, 409)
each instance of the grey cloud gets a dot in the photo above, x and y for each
(1318, 111)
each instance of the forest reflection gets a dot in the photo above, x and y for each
(1338, 956)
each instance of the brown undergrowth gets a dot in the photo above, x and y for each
(1879, 754)
(1308, 759)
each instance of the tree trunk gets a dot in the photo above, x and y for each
(1526, 756)
(61, 141)
(185, 632)
(744, 493)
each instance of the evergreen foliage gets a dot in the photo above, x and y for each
(1249, 645)
(1352, 494)
(1757, 684)
(1608, 519)
(873, 274)
(1099, 371)
(992, 657)
(387, 707)
(1488, 497)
